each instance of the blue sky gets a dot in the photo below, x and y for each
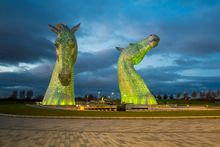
(186, 59)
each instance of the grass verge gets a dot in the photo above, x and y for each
(22, 109)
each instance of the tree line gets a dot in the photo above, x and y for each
(208, 95)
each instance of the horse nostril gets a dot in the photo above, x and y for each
(64, 78)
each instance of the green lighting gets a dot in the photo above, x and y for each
(132, 87)
(61, 88)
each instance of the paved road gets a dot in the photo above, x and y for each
(15, 132)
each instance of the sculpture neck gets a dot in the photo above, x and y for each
(144, 47)
(137, 58)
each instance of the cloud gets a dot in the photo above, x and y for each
(192, 35)
(90, 62)
(210, 63)
(21, 80)
(25, 49)
(90, 74)
(172, 80)
(189, 32)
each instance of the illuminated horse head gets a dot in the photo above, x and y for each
(66, 50)
(61, 88)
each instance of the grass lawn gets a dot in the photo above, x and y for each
(22, 109)
(190, 102)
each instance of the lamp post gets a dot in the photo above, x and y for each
(87, 99)
(99, 94)
(113, 94)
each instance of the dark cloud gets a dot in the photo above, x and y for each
(197, 63)
(26, 48)
(186, 62)
(93, 71)
(20, 81)
(104, 80)
(189, 29)
(169, 80)
(159, 79)
(193, 35)
(24, 35)
(96, 60)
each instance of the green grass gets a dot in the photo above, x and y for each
(22, 109)
(190, 102)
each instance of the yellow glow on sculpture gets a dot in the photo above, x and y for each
(61, 88)
(132, 87)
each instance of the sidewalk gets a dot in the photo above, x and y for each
(110, 118)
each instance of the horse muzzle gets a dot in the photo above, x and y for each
(64, 77)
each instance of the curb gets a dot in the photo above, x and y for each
(108, 118)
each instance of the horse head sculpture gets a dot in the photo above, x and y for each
(61, 87)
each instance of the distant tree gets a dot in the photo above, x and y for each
(214, 94)
(91, 97)
(171, 97)
(159, 97)
(14, 95)
(22, 94)
(194, 94)
(88, 97)
(79, 98)
(178, 95)
(185, 96)
(104, 96)
(218, 92)
(39, 97)
(165, 96)
(202, 94)
(210, 95)
(29, 94)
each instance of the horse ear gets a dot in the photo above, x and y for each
(75, 28)
(53, 29)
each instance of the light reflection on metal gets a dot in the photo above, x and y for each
(132, 87)
(61, 88)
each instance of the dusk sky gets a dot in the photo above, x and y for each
(187, 57)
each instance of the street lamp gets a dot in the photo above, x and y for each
(99, 94)
(113, 94)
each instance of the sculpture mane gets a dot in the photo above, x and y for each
(132, 87)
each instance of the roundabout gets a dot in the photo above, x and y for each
(33, 125)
